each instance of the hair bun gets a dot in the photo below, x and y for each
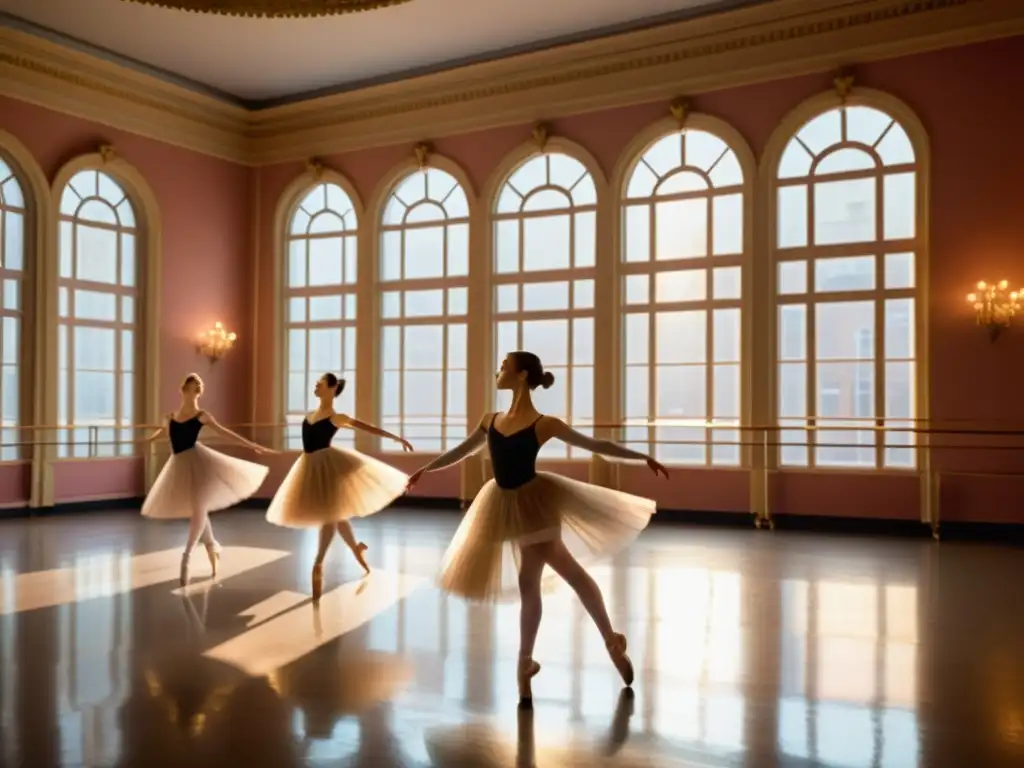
(547, 379)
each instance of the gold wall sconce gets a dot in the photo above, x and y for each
(994, 306)
(216, 342)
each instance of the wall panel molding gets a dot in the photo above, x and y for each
(764, 42)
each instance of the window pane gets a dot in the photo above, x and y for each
(792, 277)
(844, 211)
(684, 285)
(325, 261)
(792, 217)
(726, 393)
(506, 246)
(585, 234)
(12, 252)
(845, 330)
(424, 347)
(636, 338)
(681, 337)
(546, 243)
(792, 390)
(637, 240)
(424, 253)
(899, 328)
(548, 339)
(726, 334)
(681, 229)
(728, 225)
(96, 254)
(546, 296)
(900, 206)
(899, 270)
(853, 273)
(727, 283)
(95, 348)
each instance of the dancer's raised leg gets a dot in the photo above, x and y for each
(565, 565)
(197, 525)
(531, 568)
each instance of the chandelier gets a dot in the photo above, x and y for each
(272, 9)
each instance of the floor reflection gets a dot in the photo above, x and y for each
(750, 650)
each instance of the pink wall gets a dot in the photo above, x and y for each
(204, 204)
(977, 231)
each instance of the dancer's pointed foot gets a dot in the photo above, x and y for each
(528, 669)
(617, 650)
(183, 574)
(213, 553)
(358, 552)
(318, 582)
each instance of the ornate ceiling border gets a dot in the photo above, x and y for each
(784, 38)
(53, 76)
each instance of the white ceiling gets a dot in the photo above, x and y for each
(263, 59)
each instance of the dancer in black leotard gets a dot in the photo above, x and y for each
(327, 486)
(198, 480)
(523, 520)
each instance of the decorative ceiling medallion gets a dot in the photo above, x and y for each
(272, 9)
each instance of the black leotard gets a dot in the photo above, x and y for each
(317, 435)
(513, 457)
(184, 434)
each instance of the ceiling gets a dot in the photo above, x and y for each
(263, 61)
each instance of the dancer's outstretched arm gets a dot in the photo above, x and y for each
(559, 430)
(341, 420)
(208, 421)
(473, 442)
(152, 438)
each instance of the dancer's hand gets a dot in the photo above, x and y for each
(413, 479)
(406, 445)
(656, 468)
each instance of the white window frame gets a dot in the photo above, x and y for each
(297, 235)
(395, 225)
(576, 277)
(805, 430)
(13, 203)
(90, 440)
(644, 433)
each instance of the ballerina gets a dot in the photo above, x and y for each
(523, 518)
(198, 480)
(327, 486)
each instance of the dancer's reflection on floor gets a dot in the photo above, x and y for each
(186, 709)
(480, 746)
(335, 683)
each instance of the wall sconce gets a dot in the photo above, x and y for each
(216, 342)
(994, 306)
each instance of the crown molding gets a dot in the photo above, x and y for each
(47, 74)
(785, 38)
(758, 43)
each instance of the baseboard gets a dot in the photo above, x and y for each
(78, 507)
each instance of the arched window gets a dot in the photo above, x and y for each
(682, 258)
(12, 271)
(544, 254)
(320, 303)
(98, 288)
(424, 275)
(845, 252)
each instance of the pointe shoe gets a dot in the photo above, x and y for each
(528, 669)
(318, 582)
(183, 574)
(617, 650)
(213, 552)
(358, 552)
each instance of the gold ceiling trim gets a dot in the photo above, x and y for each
(272, 9)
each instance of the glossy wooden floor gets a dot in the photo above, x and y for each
(752, 648)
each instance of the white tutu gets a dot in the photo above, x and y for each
(201, 479)
(482, 561)
(334, 484)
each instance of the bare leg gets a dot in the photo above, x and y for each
(586, 589)
(531, 568)
(326, 536)
(357, 547)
